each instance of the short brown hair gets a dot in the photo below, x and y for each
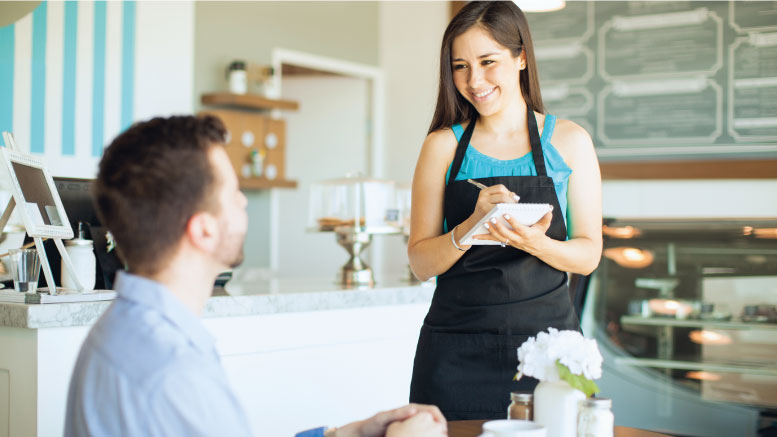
(152, 179)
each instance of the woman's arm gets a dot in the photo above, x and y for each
(432, 253)
(582, 252)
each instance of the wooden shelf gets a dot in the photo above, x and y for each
(261, 184)
(707, 169)
(249, 101)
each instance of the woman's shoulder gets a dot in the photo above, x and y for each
(442, 141)
(571, 140)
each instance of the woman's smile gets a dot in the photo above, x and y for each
(483, 95)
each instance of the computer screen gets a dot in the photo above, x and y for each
(76, 197)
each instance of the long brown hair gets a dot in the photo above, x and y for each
(507, 24)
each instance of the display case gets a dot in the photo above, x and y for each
(369, 204)
(354, 208)
(685, 312)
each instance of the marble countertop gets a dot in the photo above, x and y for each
(246, 294)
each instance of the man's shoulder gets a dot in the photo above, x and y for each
(137, 342)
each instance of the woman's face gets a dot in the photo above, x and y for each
(484, 71)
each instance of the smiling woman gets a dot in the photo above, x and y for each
(490, 126)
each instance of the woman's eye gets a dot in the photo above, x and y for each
(459, 67)
(487, 62)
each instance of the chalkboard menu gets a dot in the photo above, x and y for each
(663, 78)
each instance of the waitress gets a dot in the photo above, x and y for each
(490, 125)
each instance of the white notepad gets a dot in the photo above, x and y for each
(527, 214)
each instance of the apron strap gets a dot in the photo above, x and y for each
(534, 139)
(536, 144)
(461, 149)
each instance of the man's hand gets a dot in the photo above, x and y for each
(420, 425)
(377, 425)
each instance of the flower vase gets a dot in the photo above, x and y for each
(555, 407)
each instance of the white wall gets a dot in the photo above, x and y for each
(164, 66)
(700, 198)
(326, 139)
(409, 42)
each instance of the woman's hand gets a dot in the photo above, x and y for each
(527, 238)
(420, 425)
(491, 196)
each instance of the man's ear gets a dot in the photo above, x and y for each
(202, 231)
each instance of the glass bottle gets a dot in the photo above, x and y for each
(595, 418)
(521, 406)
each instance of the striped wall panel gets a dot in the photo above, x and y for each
(67, 78)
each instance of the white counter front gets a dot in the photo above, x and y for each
(299, 353)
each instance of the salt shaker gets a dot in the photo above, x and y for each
(521, 407)
(595, 418)
(81, 253)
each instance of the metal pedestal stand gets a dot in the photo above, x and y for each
(355, 272)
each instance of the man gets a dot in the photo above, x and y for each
(168, 193)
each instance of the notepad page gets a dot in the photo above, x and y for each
(527, 214)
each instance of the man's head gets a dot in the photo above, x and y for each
(167, 182)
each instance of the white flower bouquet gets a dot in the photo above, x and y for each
(561, 356)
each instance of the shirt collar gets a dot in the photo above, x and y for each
(155, 296)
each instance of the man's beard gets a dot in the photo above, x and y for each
(230, 250)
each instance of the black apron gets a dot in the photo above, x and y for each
(488, 303)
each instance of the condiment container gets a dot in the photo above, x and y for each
(595, 418)
(521, 406)
(81, 253)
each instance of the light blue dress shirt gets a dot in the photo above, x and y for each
(149, 367)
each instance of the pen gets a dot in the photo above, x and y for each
(477, 184)
(481, 186)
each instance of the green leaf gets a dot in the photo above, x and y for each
(578, 382)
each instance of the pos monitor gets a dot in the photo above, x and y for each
(39, 206)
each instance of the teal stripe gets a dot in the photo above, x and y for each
(69, 80)
(98, 79)
(128, 65)
(7, 42)
(38, 85)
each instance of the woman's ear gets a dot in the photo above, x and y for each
(202, 231)
(522, 60)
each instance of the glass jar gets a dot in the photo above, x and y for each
(521, 407)
(595, 418)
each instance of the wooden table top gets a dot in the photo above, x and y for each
(473, 428)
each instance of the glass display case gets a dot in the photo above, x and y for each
(366, 203)
(354, 209)
(685, 313)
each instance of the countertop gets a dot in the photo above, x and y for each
(248, 293)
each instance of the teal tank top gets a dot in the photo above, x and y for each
(477, 165)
